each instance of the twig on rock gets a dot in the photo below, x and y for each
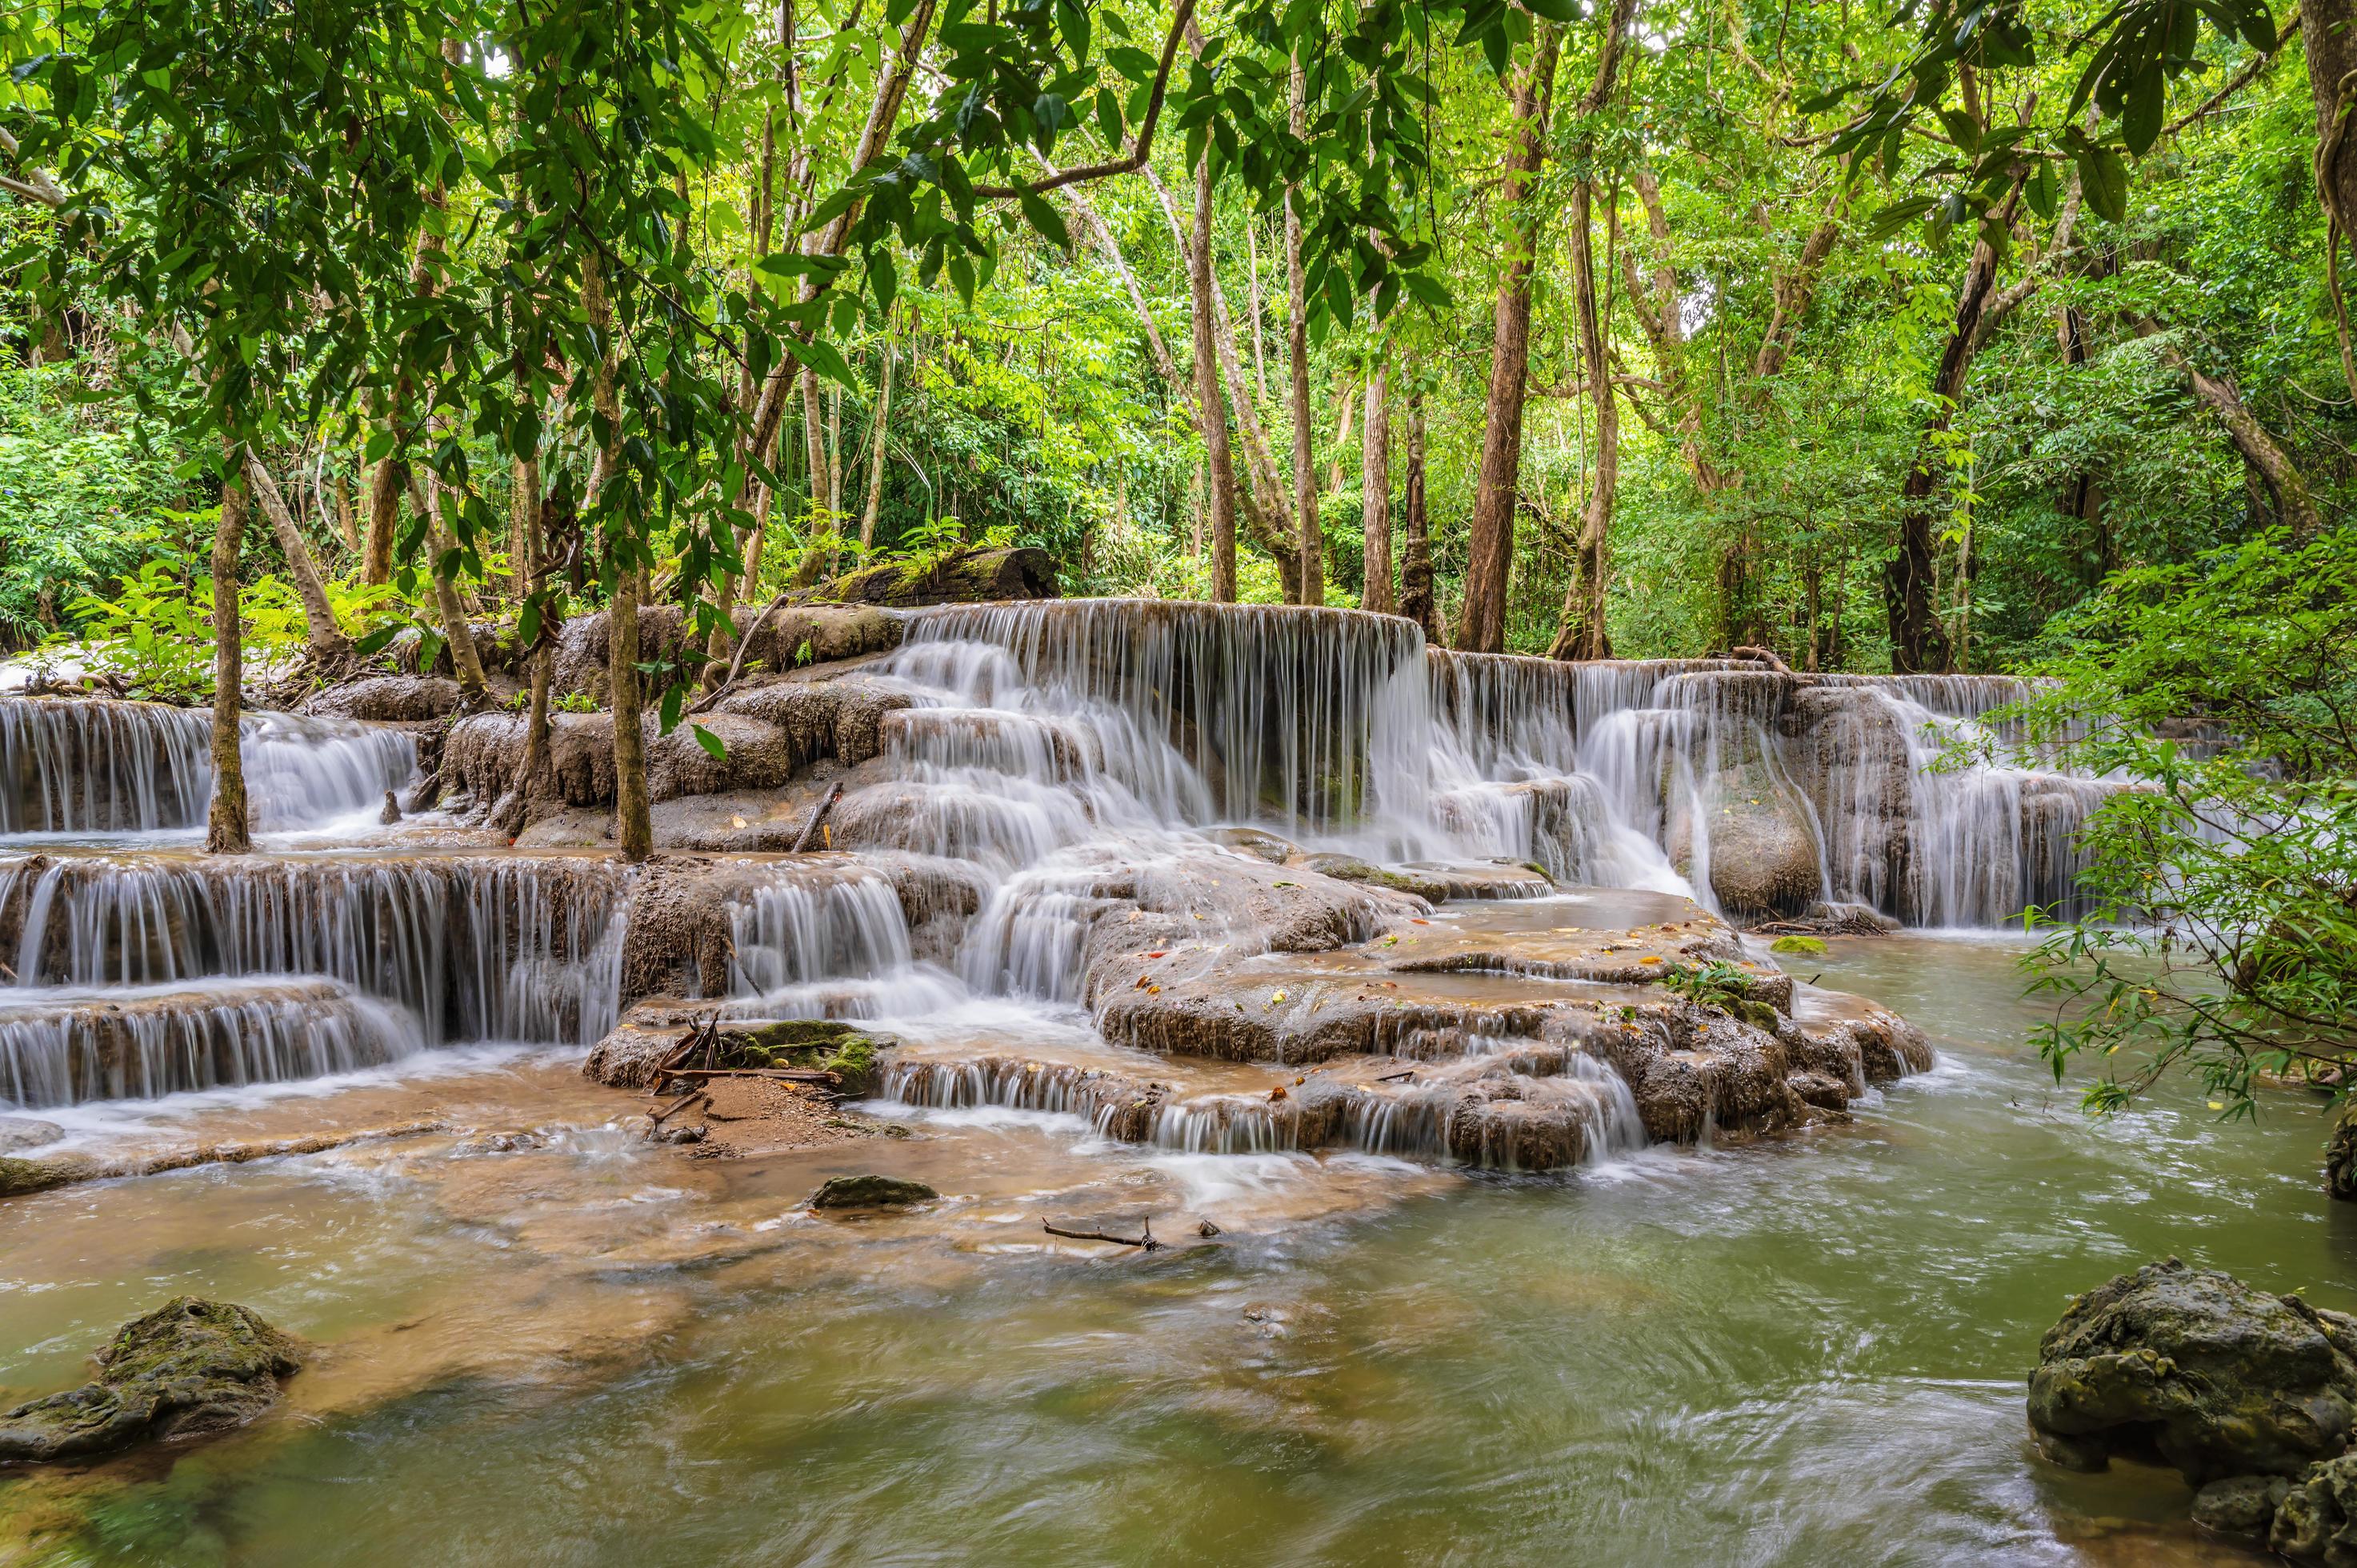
(810, 828)
(1147, 1242)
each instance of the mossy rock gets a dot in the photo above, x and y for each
(2221, 1378)
(19, 1179)
(1797, 945)
(870, 1191)
(190, 1366)
(822, 1044)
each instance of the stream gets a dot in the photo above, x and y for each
(1804, 1350)
(1336, 959)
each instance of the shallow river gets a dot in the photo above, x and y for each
(1802, 1350)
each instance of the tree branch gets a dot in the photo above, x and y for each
(1141, 145)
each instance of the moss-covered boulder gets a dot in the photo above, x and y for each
(869, 1191)
(2316, 1517)
(960, 578)
(189, 1367)
(2218, 1378)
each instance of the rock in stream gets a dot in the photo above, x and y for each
(189, 1367)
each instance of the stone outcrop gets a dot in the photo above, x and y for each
(964, 577)
(2252, 1396)
(2219, 1379)
(189, 1366)
(395, 698)
(791, 637)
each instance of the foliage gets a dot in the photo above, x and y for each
(2222, 931)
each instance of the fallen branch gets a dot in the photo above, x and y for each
(743, 645)
(1147, 1242)
(657, 1118)
(777, 1074)
(1764, 656)
(1397, 1077)
(810, 828)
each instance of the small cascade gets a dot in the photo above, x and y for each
(838, 948)
(1283, 714)
(64, 1048)
(95, 766)
(477, 948)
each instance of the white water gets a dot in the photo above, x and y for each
(1069, 759)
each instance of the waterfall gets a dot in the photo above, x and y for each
(84, 766)
(838, 948)
(64, 1048)
(476, 948)
(1044, 728)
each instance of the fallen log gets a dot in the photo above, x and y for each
(1146, 1242)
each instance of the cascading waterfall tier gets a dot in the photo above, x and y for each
(64, 1047)
(95, 766)
(1765, 793)
(474, 946)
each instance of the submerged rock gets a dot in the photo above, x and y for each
(2222, 1379)
(189, 1366)
(2243, 1506)
(871, 1192)
(23, 1133)
(2316, 1517)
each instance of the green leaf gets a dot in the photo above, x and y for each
(1043, 216)
(2103, 181)
(710, 741)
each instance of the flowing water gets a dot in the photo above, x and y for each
(541, 1339)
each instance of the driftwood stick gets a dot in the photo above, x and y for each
(810, 828)
(657, 1118)
(1146, 1242)
(1397, 1077)
(744, 644)
(777, 1074)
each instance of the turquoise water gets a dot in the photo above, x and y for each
(1800, 1350)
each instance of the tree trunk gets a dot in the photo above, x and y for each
(1415, 540)
(1917, 644)
(1261, 504)
(2287, 485)
(535, 546)
(634, 832)
(1311, 542)
(1375, 464)
(2329, 35)
(386, 481)
(1583, 633)
(1489, 547)
(327, 640)
(1207, 393)
(226, 827)
(466, 659)
(876, 459)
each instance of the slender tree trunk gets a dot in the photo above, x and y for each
(328, 641)
(1260, 339)
(1415, 538)
(634, 833)
(876, 459)
(386, 481)
(1375, 461)
(1583, 633)
(1310, 547)
(1261, 503)
(535, 547)
(466, 659)
(226, 827)
(1490, 558)
(1207, 393)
